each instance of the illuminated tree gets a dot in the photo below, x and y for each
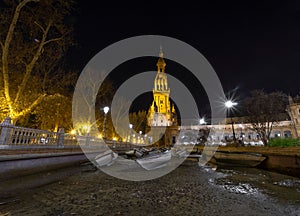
(33, 40)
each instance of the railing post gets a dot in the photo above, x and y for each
(5, 133)
(60, 137)
(87, 141)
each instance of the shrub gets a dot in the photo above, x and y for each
(284, 142)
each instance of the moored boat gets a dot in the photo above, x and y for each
(136, 153)
(154, 161)
(247, 159)
(181, 153)
(106, 158)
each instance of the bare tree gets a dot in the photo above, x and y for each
(33, 39)
(263, 111)
(94, 92)
(139, 120)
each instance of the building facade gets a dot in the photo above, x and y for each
(293, 110)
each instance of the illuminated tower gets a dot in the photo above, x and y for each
(161, 113)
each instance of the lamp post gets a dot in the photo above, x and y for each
(130, 126)
(141, 138)
(229, 105)
(241, 128)
(106, 109)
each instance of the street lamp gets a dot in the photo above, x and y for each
(229, 105)
(242, 135)
(130, 126)
(141, 138)
(106, 109)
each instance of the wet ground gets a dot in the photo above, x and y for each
(188, 190)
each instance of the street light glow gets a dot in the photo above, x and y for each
(230, 104)
(130, 126)
(106, 109)
(202, 121)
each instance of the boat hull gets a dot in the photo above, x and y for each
(106, 158)
(154, 161)
(238, 159)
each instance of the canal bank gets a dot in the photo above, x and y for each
(17, 163)
(285, 160)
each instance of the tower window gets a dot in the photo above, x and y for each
(161, 101)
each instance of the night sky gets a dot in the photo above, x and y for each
(251, 45)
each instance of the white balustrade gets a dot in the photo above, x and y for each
(19, 137)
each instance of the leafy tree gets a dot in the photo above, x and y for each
(263, 111)
(33, 41)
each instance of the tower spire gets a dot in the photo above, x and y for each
(161, 54)
(161, 64)
(161, 112)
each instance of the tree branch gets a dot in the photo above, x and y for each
(31, 65)
(54, 39)
(41, 27)
(5, 51)
(32, 105)
(36, 102)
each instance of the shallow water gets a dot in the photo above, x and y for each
(188, 190)
(260, 183)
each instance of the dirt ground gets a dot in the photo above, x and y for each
(188, 190)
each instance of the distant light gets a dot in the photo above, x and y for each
(100, 136)
(130, 126)
(202, 121)
(86, 128)
(115, 139)
(36, 40)
(106, 109)
(140, 132)
(73, 132)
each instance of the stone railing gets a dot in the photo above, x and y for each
(14, 136)
(19, 137)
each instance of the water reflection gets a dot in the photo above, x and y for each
(260, 183)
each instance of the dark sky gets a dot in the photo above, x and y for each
(250, 44)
